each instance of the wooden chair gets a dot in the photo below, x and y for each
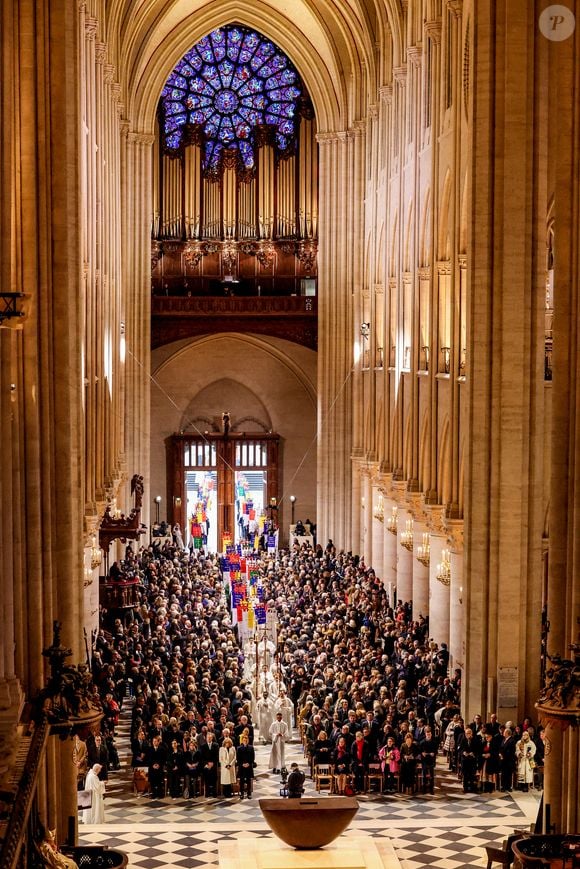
(323, 777)
(374, 774)
(498, 855)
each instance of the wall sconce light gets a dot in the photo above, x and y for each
(424, 550)
(157, 508)
(407, 536)
(392, 521)
(443, 572)
(292, 503)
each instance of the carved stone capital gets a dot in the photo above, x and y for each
(433, 30)
(109, 73)
(444, 267)
(455, 6)
(386, 93)
(135, 138)
(373, 111)
(329, 138)
(91, 25)
(424, 274)
(414, 54)
(436, 518)
(100, 52)
(400, 74)
(454, 529)
(416, 506)
(462, 260)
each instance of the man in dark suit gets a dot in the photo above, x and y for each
(209, 763)
(246, 759)
(469, 752)
(156, 767)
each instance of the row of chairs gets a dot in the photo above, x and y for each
(325, 778)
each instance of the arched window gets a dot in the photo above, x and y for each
(232, 90)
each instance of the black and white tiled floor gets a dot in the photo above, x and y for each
(448, 830)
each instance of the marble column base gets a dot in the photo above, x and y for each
(343, 853)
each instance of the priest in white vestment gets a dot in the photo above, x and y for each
(278, 735)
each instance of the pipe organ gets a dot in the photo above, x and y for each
(254, 226)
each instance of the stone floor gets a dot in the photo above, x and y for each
(448, 830)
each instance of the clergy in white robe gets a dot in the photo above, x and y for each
(284, 705)
(265, 716)
(278, 735)
(96, 813)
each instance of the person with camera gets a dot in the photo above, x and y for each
(295, 783)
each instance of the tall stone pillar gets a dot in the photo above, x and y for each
(378, 530)
(341, 178)
(404, 560)
(456, 613)
(389, 551)
(559, 706)
(420, 573)
(506, 255)
(438, 592)
(367, 519)
(137, 196)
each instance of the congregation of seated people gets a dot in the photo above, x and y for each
(370, 692)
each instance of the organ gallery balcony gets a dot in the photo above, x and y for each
(291, 317)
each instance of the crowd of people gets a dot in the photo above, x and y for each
(359, 679)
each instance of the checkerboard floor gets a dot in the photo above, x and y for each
(448, 830)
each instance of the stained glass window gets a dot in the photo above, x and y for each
(231, 82)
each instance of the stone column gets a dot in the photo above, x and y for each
(420, 573)
(341, 177)
(438, 593)
(404, 560)
(456, 613)
(389, 551)
(367, 519)
(378, 530)
(560, 71)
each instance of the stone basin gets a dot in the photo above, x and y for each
(309, 822)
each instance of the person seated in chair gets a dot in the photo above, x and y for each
(299, 529)
(295, 783)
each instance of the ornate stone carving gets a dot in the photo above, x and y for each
(433, 30)
(136, 138)
(444, 267)
(436, 518)
(415, 53)
(424, 274)
(455, 6)
(91, 25)
(400, 74)
(386, 93)
(454, 529)
(100, 52)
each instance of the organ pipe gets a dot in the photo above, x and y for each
(278, 198)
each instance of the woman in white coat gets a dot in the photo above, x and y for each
(525, 751)
(96, 813)
(227, 766)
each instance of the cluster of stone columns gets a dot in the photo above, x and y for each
(406, 542)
